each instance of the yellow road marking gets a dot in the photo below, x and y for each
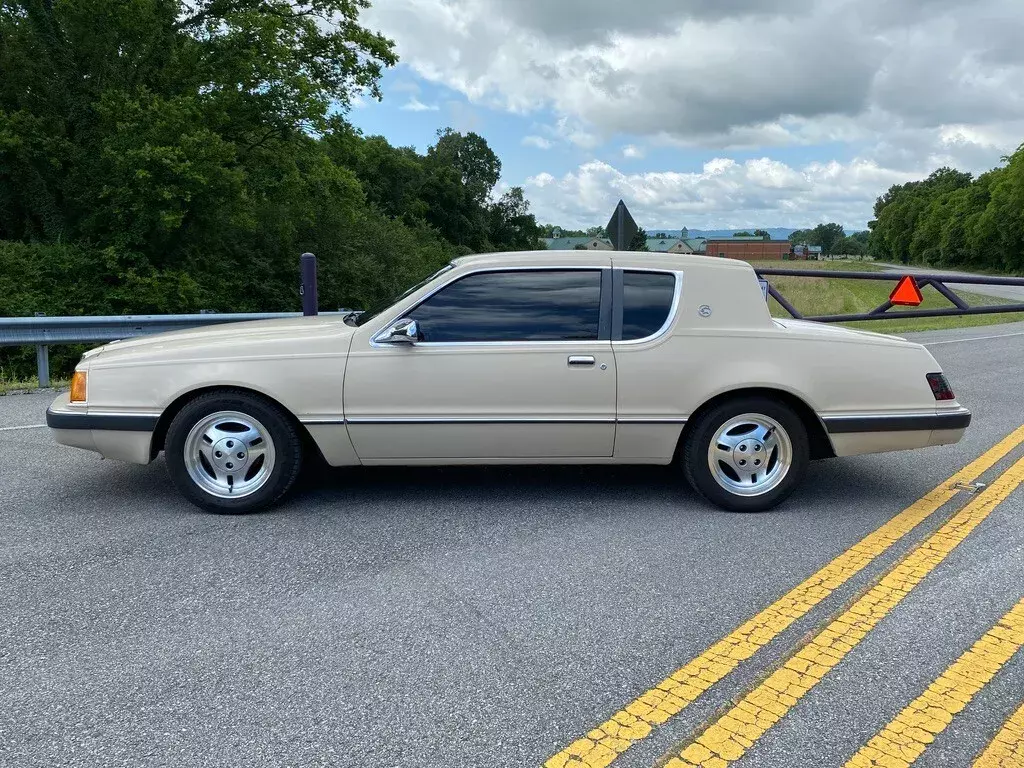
(1006, 750)
(905, 739)
(738, 730)
(668, 698)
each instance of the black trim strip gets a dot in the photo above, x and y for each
(840, 425)
(58, 420)
(618, 294)
(604, 329)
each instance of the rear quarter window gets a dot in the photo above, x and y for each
(646, 303)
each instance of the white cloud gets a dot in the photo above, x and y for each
(719, 72)
(537, 142)
(902, 87)
(723, 194)
(415, 105)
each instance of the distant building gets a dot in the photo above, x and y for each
(749, 248)
(667, 245)
(697, 244)
(807, 251)
(577, 243)
(675, 245)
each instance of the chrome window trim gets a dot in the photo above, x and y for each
(673, 312)
(604, 272)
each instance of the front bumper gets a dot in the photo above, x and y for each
(120, 436)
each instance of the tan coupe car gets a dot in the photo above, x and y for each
(540, 358)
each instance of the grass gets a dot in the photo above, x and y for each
(8, 386)
(835, 296)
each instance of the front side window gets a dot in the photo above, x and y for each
(538, 305)
(646, 302)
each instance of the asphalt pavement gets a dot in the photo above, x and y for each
(474, 617)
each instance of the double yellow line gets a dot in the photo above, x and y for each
(735, 732)
(724, 743)
(905, 739)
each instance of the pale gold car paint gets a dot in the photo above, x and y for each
(516, 403)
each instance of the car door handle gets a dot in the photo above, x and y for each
(581, 361)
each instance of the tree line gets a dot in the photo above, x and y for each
(952, 219)
(177, 155)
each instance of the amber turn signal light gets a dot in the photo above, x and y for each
(78, 387)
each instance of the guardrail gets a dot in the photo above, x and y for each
(42, 331)
(939, 282)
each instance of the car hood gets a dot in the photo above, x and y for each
(278, 336)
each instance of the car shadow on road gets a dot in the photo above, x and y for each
(831, 487)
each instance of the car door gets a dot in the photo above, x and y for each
(512, 364)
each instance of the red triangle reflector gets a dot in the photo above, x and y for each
(906, 293)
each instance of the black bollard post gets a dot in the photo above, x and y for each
(308, 289)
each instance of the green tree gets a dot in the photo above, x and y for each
(762, 233)
(827, 236)
(174, 155)
(639, 241)
(470, 155)
(850, 246)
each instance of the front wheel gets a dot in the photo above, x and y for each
(746, 454)
(232, 452)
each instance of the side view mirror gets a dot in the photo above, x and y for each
(404, 331)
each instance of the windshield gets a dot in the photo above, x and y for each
(362, 318)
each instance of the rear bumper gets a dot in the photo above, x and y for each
(855, 435)
(912, 422)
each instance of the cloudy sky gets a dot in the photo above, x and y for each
(708, 113)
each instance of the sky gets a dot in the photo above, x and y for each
(708, 114)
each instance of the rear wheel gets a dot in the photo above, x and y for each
(233, 452)
(746, 454)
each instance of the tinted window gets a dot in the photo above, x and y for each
(646, 302)
(543, 305)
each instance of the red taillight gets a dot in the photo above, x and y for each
(940, 387)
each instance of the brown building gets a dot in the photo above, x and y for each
(750, 249)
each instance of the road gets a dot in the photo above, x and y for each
(1014, 293)
(484, 617)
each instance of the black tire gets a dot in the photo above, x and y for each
(283, 434)
(695, 461)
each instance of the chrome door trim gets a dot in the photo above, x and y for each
(646, 420)
(475, 420)
(362, 420)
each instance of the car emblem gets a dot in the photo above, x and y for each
(704, 311)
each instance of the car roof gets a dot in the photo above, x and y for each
(620, 259)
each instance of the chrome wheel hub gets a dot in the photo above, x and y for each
(750, 455)
(229, 454)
